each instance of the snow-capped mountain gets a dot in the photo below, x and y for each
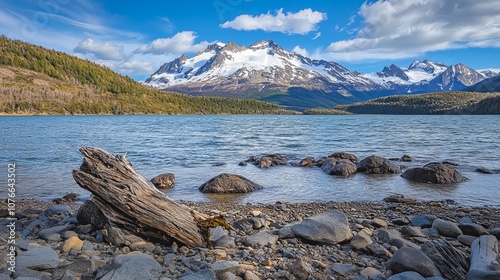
(427, 76)
(263, 67)
(265, 70)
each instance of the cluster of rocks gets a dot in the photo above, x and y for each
(338, 164)
(399, 238)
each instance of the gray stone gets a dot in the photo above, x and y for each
(42, 257)
(229, 183)
(119, 237)
(472, 229)
(164, 181)
(379, 223)
(58, 209)
(370, 271)
(466, 239)
(285, 232)
(465, 220)
(204, 274)
(229, 276)
(329, 227)
(379, 251)
(377, 165)
(46, 232)
(250, 276)
(220, 267)
(301, 269)
(400, 221)
(393, 237)
(89, 213)
(495, 232)
(339, 167)
(411, 231)
(263, 238)
(411, 259)
(423, 220)
(131, 267)
(217, 232)
(67, 234)
(225, 241)
(436, 173)
(344, 269)
(145, 247)
(446, 228)
(407, 275)
(361, 240)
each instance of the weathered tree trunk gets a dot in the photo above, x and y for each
(484, 259)
(131, 201)
(452, 263)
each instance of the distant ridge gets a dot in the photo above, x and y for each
(440, 103)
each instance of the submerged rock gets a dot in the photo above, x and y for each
(436, 173)
(164, 181)
(229, 183)
(343, 155)
(377, 165)
(339, 167)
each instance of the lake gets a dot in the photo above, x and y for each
(197, 148)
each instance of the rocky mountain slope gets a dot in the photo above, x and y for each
(266, 71)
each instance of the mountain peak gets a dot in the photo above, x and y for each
(265, 44)
(427, 66)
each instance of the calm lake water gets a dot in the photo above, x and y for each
(45, 150)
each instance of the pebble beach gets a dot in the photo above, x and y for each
(51, 242)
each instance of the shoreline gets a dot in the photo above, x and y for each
(278, 259)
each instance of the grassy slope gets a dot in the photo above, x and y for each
(432, 103)
(35, 80)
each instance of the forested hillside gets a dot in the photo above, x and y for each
(35, 80)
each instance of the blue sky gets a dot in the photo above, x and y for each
(135, 38)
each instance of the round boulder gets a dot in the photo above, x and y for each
(229, 183)
(330, 227)
(436, 173)
(339, 167)
(411, 259)
(164, 181)
(377, 165)
(343, 155)
(89, 213)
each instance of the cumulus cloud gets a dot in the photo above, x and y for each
(301, 51)
(181, 42)
(393, 29)
(135, 67)
(302, 22)
(100, 50)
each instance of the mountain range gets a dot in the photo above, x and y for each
(268, 72)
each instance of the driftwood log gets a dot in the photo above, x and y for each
(130, 201)
(484, 259)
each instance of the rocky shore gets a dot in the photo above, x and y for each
(399, 238)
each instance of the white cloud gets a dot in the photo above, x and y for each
(100, 50)
(136, 67)
(393, 29)
(317, 35)
(302, 22)
(299, 50)
(181, 42)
